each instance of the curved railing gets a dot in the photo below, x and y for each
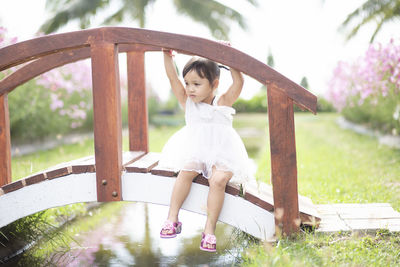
(39, 47)
(49, 62)
(102, 45)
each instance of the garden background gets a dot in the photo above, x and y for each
(358, 80)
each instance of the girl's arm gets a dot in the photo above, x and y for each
(176, 84)
(234, 90)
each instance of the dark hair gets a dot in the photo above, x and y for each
(205, 68)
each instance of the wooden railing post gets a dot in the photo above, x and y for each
(283, 160)
(107, 120)
(5, 142)
(137, 102)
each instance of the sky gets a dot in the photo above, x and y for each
(302, 36)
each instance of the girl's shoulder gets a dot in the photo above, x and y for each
(217, 103)
(220, 101)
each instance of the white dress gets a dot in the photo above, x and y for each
(208, 139)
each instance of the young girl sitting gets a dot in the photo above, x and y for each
(207, 145)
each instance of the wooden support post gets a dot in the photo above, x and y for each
(5, 142)
(107, 120)
(137, 102)
(283, 160)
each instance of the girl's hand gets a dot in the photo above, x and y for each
(169, 52)
(227, 43)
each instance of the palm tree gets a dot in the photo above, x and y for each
(378, 11)
(215, 15)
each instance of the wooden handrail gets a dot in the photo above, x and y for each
(39, 47)
(49, 62)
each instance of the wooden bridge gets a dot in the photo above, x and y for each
(111, 175)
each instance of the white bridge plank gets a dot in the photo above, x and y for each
(74, 188)
(142, 187)
(236, 211)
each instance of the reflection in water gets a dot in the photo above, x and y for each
(131, 238)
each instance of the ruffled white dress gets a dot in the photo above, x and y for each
(208, 139)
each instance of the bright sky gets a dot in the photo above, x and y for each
(302, 36)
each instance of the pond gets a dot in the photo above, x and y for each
(130, 237)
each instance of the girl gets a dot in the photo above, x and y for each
(207, 145)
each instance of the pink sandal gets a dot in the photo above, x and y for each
(170, 229)
(208, 243)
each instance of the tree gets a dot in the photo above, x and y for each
(215, 15)
(270, 60)
(378, 11)
(304, 82)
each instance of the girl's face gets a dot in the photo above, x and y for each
(199, 89)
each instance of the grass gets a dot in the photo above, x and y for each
(336, 166)
(346, 249)
(340, 166)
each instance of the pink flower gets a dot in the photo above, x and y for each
(4, 40)
(370, 76)
(56, 103)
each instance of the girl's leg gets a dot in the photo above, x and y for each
(179, 193)
(216, 195)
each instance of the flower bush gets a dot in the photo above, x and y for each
(55, 102)
(367, 90)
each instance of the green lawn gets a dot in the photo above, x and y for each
(336, 166)
(340, 166)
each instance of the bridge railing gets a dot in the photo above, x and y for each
(102, 45)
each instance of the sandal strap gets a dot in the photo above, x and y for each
(210, 239)
(168, 225)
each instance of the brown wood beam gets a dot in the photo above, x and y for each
(107, 120)
(39, 47)
(5, 142)
(283, 160)
(137, 102)
(46, 63)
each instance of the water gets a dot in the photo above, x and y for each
(131, 238)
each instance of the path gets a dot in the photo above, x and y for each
(385, 139)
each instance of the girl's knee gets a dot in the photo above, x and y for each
(220, 179)
(187, 175)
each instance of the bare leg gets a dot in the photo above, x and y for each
(215, 201)
(180, 192)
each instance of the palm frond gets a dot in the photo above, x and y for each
(74, 9)
(377, 29)
(136, 9)
(116, 17)
(253, 2)
(390, 15)
(369, 7)
(54, 5)
(379, 11)
(212, 14)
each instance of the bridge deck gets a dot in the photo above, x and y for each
(358, 217)
(329, 218)
(250, 209)
(259, 194)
